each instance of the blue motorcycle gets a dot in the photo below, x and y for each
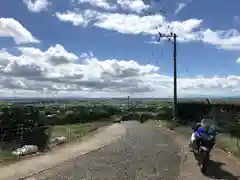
(203, 146)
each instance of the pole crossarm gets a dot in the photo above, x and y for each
(169, 36)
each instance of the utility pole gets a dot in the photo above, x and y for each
(174, 42)
(175, 76)
(128, 103)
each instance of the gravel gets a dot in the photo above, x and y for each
(143, 153)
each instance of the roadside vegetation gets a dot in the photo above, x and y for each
(45, 123)
(39, 122)
(225, 141)
(44, 126)
(229, 126)
(72, 132)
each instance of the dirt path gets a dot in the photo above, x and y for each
(222, 165)
(26, 167)
(144, 152)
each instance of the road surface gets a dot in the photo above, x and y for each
(144, 152)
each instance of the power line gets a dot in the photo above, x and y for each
(172, 37)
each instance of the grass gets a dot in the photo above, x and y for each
(229, 144)
(6, 156)
(224, 141)
(156, 102)
(72, 132)
(75, 131)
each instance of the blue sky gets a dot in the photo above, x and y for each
(109, 47)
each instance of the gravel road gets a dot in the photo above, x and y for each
(142, 153)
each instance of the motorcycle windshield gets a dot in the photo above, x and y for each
(206, 137)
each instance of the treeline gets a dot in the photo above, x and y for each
(82, 114)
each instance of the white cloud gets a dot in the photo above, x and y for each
(133, 5)
(55, 55)
(99, 3)
(78, 19)
(57, 72)
(238, 60)
(128, 5)
(186, 30)
(228, 40)
(75, 19)
(180, 7)
(37, 5)
(133, 24)
(149, 25)
(9, 27)
(236, 19)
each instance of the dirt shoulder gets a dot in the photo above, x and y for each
(23, 168)
(222, 165)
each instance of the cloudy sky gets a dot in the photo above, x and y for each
(110, 48)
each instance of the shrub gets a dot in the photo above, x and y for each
(23, 125)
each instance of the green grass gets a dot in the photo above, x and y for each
(229, 144)
(76, 131)
(156, 102)
(224, 141)
(72, 132)
(4, 103)
(6, 156)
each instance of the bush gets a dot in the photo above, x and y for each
(146, 116)
(165, 114)
(23, 125)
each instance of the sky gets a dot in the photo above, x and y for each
(111, 48)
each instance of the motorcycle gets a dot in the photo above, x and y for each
(202, 152)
